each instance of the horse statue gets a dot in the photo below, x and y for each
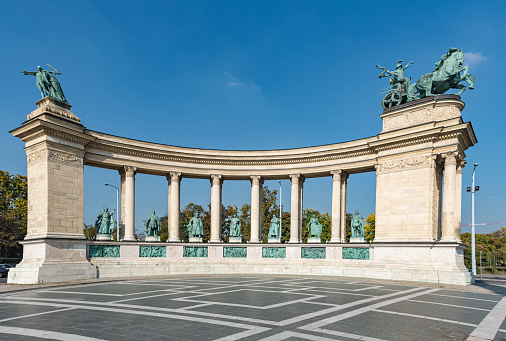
(447, 75)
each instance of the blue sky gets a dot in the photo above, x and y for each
(262, 74)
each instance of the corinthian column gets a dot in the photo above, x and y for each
(295, 208)
(216, 182)
(344, 185)
(256, 208)
(449, 198)
(458, 200)
(175, 183)
(129, 203)
(336, 207)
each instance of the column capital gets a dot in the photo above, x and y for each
(450, 158)
(336, 174)
(174, 176)
(256, 179)
(216, 179)
(128, 170)
(461, 164)
(294, 177)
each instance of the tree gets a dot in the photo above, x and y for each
(163, 233)
(347, 233)
(13, 213)
(370, 227)
(90, 232)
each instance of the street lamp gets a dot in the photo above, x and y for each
(117, 211)
(280, 208)
(473, 246)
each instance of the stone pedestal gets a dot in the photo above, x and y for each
(314, 240)
(274, 240)
(196, 240)
(52, 261)
(357, 240)
(104, 237)
(152, 238)
(235, 240)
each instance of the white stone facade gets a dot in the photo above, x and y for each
(417, 157)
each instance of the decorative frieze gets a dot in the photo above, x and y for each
(195, 251)
(235, 252)
(152, 251)
(313, 252)
(56, 156)
(273, 252)
(103, 251)
(356, 253)
(403, 164)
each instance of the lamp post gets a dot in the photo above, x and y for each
(280, 188)
(117, 211)
(473, 246)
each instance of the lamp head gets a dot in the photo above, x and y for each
(475, 165)
(106, 184)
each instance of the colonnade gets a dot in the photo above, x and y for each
(174, 183)
(449, 204)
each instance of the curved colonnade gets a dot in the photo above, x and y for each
(418, 154)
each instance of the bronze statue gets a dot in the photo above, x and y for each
(47, 83)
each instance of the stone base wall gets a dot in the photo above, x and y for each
(441, 264)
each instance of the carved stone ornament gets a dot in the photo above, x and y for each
(403, 164)
(56, 156)
(429, 113)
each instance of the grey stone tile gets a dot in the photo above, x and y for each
(438, 311)
(396, 327)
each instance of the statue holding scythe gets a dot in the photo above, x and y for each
(47, 82)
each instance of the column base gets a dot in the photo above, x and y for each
(235, 240)
(152, 238)
(255, 241)
(450, 240)
(215, 241)
(196, 240)
(335, 241)
(129, 239)
(293, 241)
(174, 240)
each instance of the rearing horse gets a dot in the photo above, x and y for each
(445, 76)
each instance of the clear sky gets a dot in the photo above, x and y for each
(250, 75)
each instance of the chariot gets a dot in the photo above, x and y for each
(395, 94)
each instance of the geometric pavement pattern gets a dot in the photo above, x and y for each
(251, 308)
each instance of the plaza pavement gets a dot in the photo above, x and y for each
(253, 308)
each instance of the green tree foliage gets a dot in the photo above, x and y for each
(492, 247)
(245, 215)
(163, 233)
(370, 227)
(13, 213)
(90, 232)
(347, 235)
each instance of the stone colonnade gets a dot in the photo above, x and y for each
(449, 205)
